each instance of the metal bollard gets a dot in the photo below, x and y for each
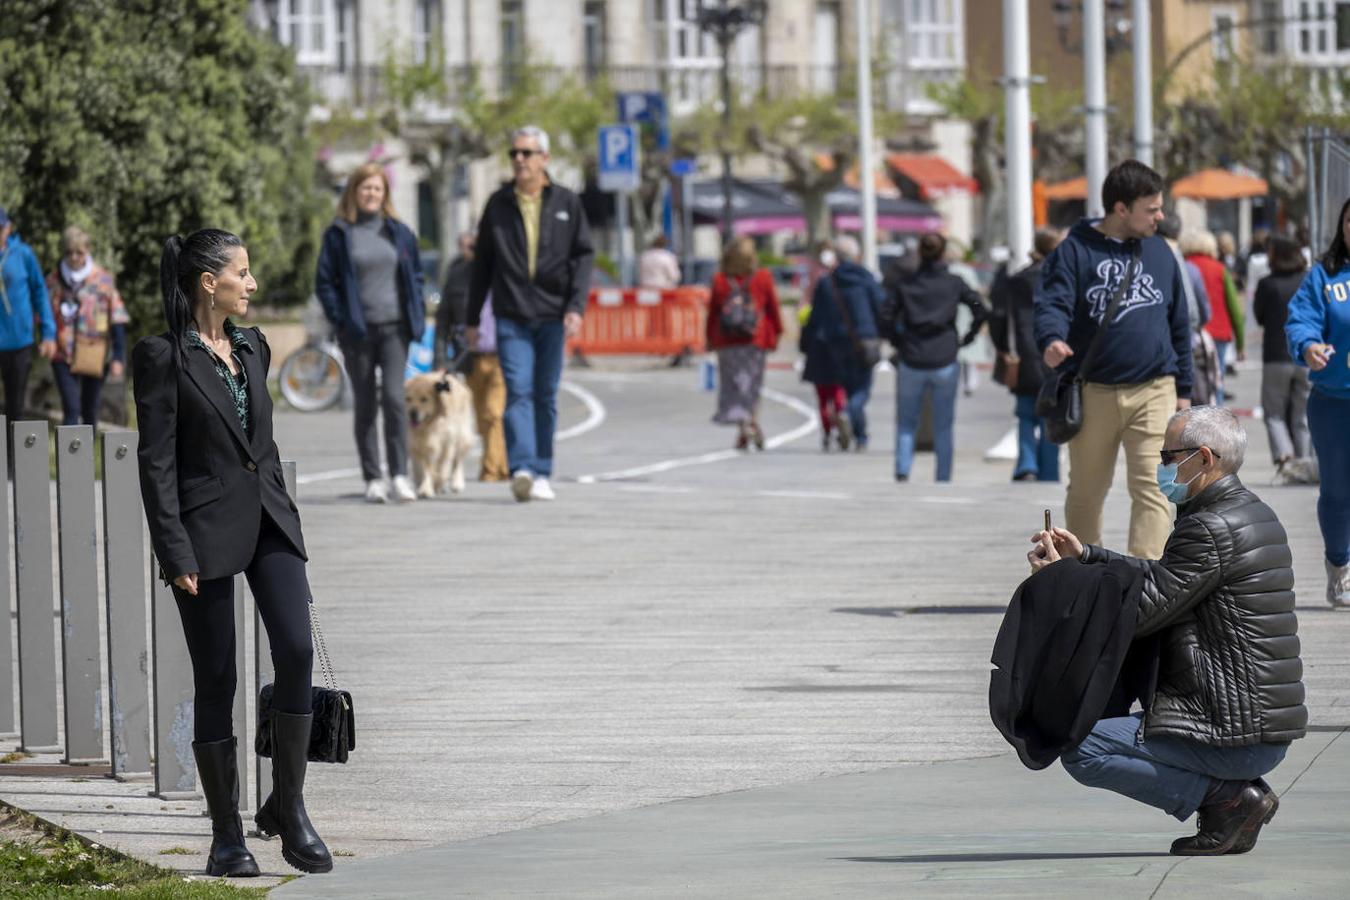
(175, 766)
(7, 723)
(33, 578)
(124, 578)
(78, 551)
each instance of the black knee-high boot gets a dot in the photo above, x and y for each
(219, 775)
(284, 811)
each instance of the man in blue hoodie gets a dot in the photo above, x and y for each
(23, 296)
(1142, 371)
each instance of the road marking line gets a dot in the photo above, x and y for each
(594, 419)
(702, 459)
(655, 489)
(806, 495)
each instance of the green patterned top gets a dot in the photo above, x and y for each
(237, 386)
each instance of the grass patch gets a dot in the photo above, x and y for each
(177, 851)
(15, 756)
(36, 864)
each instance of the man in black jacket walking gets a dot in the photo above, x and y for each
(1229, 695)
(534, 255)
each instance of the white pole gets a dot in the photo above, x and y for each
(1094, 100)
(1143, 82)
(1017, 133)
(866, 183)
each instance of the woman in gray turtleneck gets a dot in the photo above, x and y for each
(370, 285)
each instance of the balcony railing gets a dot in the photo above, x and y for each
(687, 85)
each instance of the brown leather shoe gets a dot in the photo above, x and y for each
(1248, 839)
(1224, 823)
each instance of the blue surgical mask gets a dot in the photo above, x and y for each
(1168, 484)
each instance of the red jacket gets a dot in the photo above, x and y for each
(1220, 325)
(762, 293)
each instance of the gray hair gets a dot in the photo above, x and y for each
(846, 245)
(532, 131)
(1216, 428)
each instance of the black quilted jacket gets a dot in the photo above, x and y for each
(1222, 599)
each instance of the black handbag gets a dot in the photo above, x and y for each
(333, 733)
(866, 350)
(739, 318)
(1060, 402)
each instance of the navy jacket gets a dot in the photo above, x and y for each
(1150, 336)
(920, 315)
(335, 280)
(831, 356)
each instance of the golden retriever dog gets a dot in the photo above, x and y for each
(440, 426)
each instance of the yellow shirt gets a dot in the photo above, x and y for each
(530, 209)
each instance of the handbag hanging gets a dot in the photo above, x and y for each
(333, 733)
(1060, 402)
(867, 350)
(91, 353)
(1008, 365)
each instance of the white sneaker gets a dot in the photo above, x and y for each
(1338, 584)
(403, 489)
(377, 491)
(541, 490)
(522, 484)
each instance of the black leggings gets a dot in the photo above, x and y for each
(276, 576)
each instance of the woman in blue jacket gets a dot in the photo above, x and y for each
(370, 284)
(1318, 330)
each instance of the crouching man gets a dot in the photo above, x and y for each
(1229, 695)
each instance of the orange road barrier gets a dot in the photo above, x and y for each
(643, 321)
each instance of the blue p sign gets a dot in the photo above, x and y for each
(619, 158)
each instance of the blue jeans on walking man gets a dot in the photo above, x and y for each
(859, 392)
(1169, 773)
(531, 355)
(1036, 453)
(912, 385)
(1329, 426)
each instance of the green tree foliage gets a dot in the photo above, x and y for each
(137, 119)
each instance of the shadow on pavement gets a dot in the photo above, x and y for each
(992, 857)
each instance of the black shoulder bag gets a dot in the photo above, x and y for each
(867, 351)
(1060, 402)
(333, 733)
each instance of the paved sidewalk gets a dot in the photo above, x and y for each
(983, 827)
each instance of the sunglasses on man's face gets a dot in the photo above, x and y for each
(1169, 455)
(521, 152)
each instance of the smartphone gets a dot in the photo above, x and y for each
(1047, 520)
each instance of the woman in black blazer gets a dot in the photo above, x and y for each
(217, 506)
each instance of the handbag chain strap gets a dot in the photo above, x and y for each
(321, 647)
(1132, 270)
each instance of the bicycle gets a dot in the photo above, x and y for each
(314, 377)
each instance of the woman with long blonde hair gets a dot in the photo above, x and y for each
(370, 284)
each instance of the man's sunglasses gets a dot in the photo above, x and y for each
(1169, 455)
(522, 152)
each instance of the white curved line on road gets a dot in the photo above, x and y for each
(703, 459)
(595, 417)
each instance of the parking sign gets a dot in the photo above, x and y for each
(620, 163)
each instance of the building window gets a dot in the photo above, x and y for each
(513, 41)
(1270, 33)
(593, 37)
(308, 27)
(825, 49)
(934, 32)
(426, 31)
(342, 35)
(1222, 42)
(1342, 27)
(692, 57)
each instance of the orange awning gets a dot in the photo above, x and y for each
(933, 175)
(884, 186)
(1219, 184)
(1073, 189)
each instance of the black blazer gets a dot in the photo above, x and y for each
(206, 485)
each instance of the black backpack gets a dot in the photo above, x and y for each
(739, 317)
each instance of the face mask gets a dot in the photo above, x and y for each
(1167, 482)
(828, 259)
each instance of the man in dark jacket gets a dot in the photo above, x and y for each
(534, 255)
(1142, 370)
(454, 306)
(1229, 696)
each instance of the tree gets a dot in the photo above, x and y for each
(138, 119)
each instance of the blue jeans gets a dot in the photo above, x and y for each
(1221, 352)
(531, 355)
(859, 392)
(80, 395)
(1329, 426)
(1169, 773)
(1036, 453)
(912, 385)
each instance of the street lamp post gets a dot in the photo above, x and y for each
(724, 22)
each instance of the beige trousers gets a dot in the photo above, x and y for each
(1134, 415)
(489, 405)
